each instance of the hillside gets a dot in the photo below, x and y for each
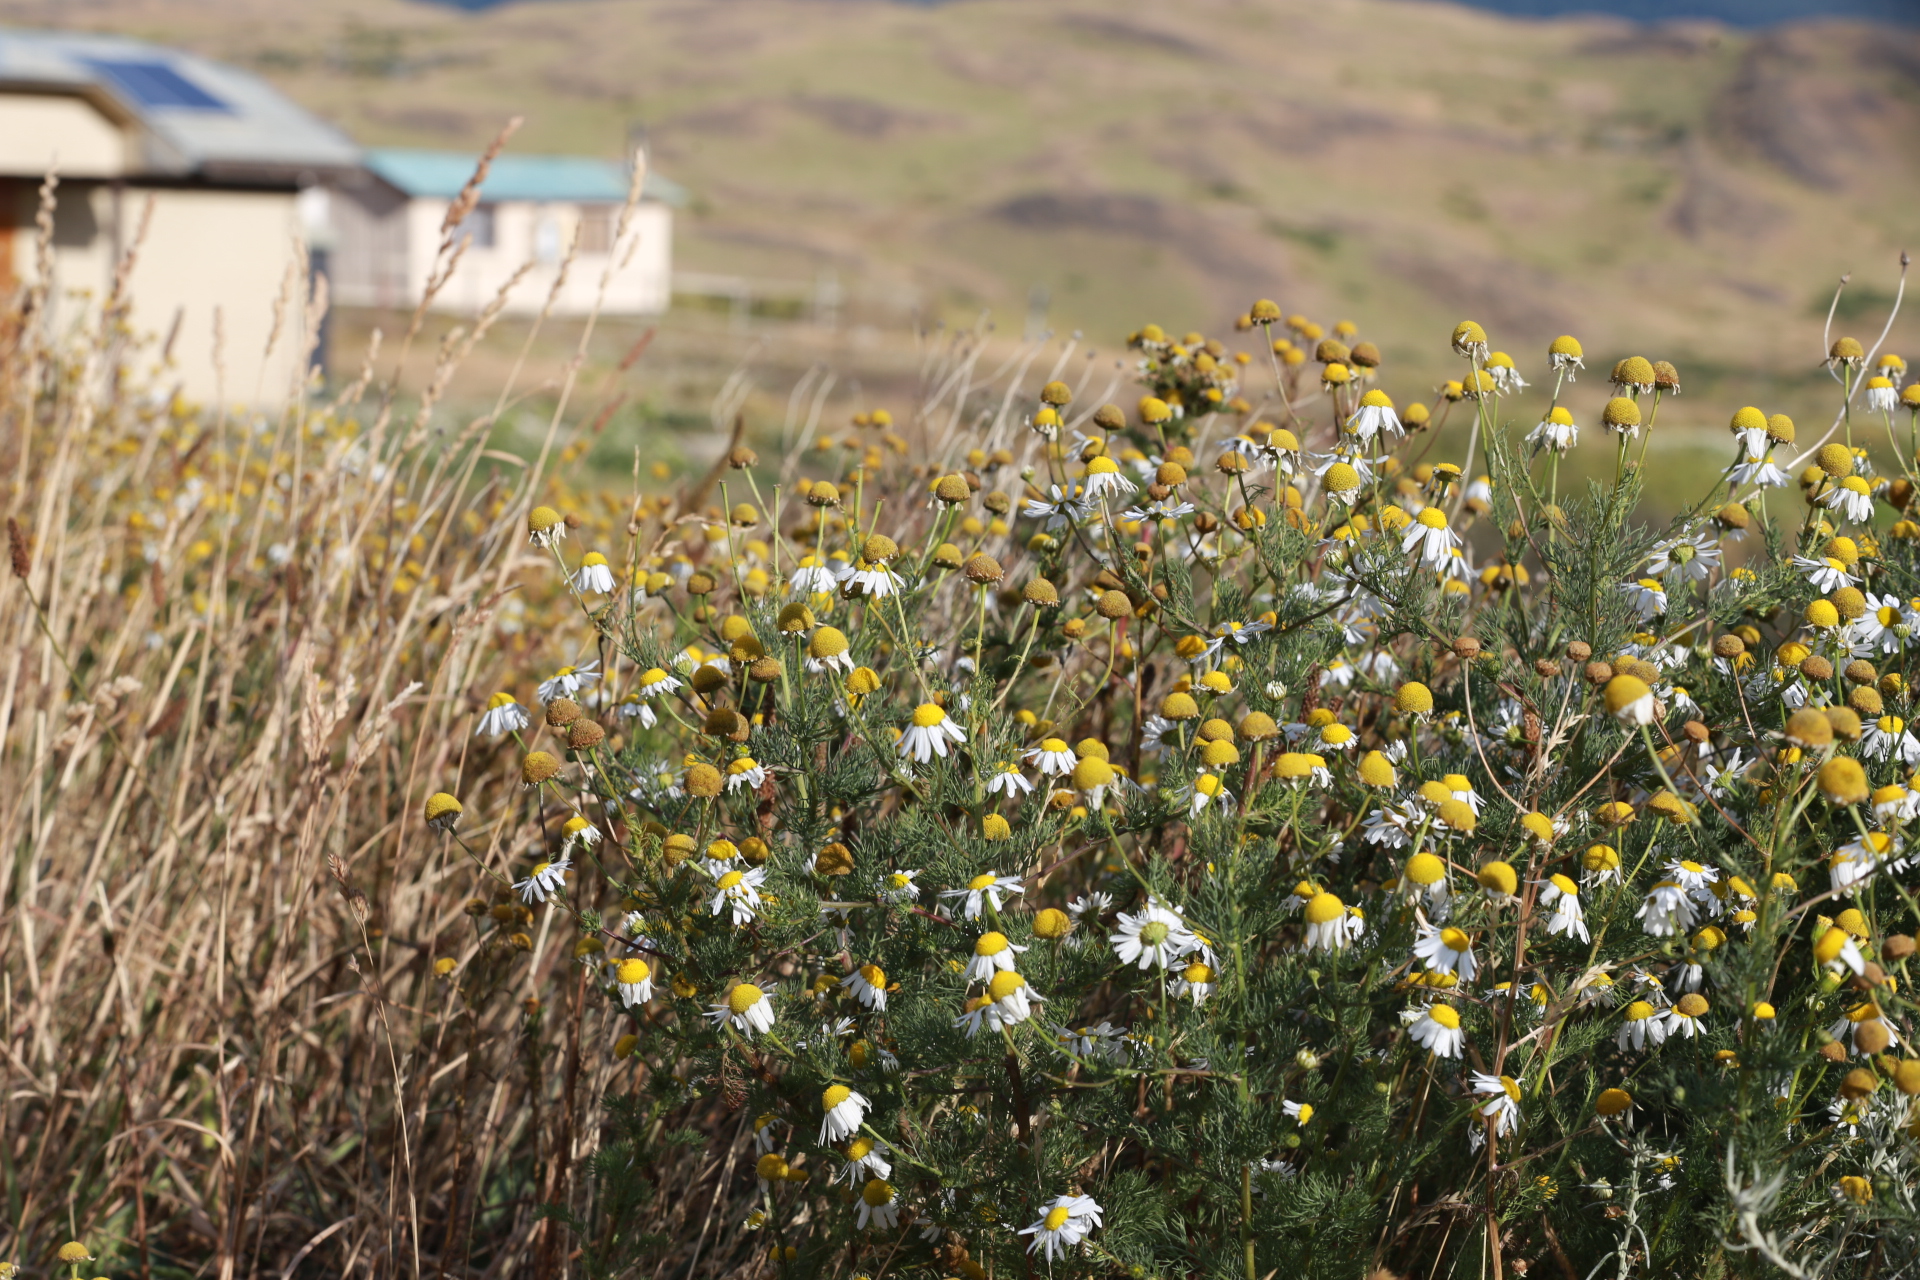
(1687, 191)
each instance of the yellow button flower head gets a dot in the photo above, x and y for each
(1153, 410)
(443, 811)
(1326, 918)
(1622, 415)
(1564, 353)
(1612, 1102)
(1843, 781)
(1458, 815)
(1342, 478)
(1470, 340)
(1630, 700)
(1052, 923)
(1748, 419)
(1377, 771)
(545, 526)
(1426, 869)
(73, 1251)
(1539, 826)
(1499, 879)
(1413, 698)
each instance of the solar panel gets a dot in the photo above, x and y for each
(155, 84)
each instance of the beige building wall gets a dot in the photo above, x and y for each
(38, 131)
(228, 250)
(385, 256)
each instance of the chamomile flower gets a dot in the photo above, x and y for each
(746, 1007)
(868, 984)
(866, 1159)
(1234, 632)
(1060, 509)
(1195, 982)
(1647, 597)
(985, 889)
(1562, 895)
(1691, 558)
(1557, 432)
(930, 734)
(992, 954)
(1326, 920)
(899, 886)
(1102, 1042)
(811, 577)
(744, 773)
(578, 832)
(1502, 1105)
(1301, 1113)
(1207, 788)
(546, 879)
(1888, 738)
(842, 1112)
(1642, 1024)
(1429, 535)
(879, 1206)
(872, 582)
(1374, 417)
(1852, 498)
(1753, 461)
(1687, 1018)
(1008, 781)
(1436, 1028)
(1007, 1003)
(739, 892)
(1053, 757)
(594, 576)
(633, 981)
(1066, 1222)
(1091, 905)
(1825, 573)
(1667, 910)
(1152, 938)
(568, 681)
(503, 716)
(1104, 480)
(1446, 950)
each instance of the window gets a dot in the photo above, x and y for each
(477, 229)
(156, 84)
(596, 229)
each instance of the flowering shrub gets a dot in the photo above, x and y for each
(1215, 838)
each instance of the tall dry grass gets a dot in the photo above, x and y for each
(239, 648)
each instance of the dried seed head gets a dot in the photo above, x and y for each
(1113, 605)
(537, 768)
(585, 735)
(983, 569)
(741, 457)
(1040, 593)
(702, 780)
(1729, 646)
(562, 712)
(952, 489)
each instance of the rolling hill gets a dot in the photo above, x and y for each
(1687, 190)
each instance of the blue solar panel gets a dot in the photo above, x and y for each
(155, 84)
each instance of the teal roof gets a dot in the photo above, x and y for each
(442, 174)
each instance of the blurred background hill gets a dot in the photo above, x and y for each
(1689, 190)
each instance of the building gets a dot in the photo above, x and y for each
(223, 159)
(388, 231)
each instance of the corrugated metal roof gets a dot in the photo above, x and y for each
(442, 174)
(198, 117)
